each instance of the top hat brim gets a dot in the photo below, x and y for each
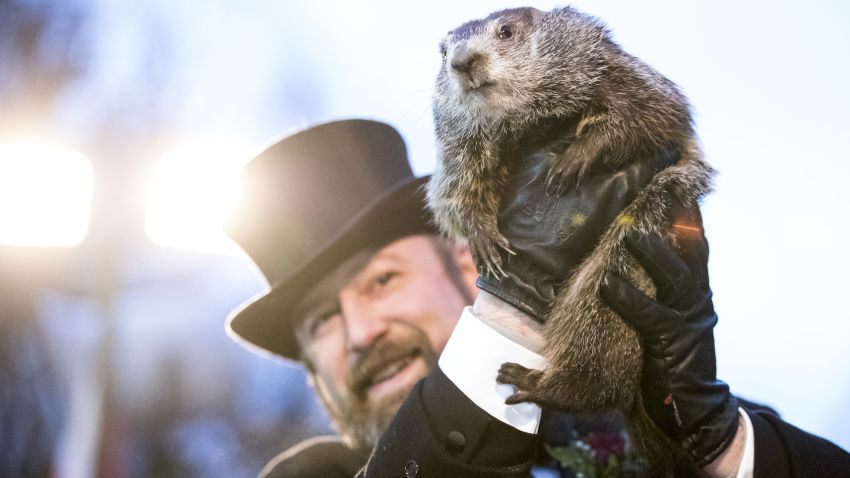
(265, 323)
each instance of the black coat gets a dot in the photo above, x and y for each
(440, 433)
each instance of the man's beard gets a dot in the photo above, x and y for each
(362, 421)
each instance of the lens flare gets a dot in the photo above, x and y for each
(45, 196)
(191, 192)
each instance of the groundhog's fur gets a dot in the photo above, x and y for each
(502, 77)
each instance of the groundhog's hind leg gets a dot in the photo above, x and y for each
(529, 387)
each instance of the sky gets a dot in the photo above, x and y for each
(767, 82)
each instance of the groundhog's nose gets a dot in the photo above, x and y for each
(465, 60)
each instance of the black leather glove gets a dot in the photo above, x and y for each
(552, 234)
(680, 389)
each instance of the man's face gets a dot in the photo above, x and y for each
(376, 325)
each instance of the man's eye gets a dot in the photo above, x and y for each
(384, 278)
(318, 320)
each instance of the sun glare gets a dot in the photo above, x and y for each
(45, 196)
(191, 191)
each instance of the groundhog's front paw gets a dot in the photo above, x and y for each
(568, 170)
(486, 253)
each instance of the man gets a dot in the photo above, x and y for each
(368, 297)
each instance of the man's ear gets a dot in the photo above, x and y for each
(463, 259)
(324, 394)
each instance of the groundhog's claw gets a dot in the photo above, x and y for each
(486, 255)
(511, 373)
(519, 397)
(567, 171)
(554, 182)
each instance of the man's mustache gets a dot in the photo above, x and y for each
(376, 358)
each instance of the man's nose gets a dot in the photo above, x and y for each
(363, 323)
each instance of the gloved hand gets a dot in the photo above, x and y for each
(552, 234)
(680, 389)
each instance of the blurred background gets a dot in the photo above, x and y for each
(122, 128)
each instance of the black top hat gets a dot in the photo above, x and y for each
(309, 202)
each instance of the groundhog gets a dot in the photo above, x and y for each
(502, 78)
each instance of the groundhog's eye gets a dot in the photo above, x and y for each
(505, 32)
